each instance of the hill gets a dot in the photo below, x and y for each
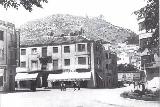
(59, 25)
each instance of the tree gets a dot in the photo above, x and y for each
(126, 67)
(27, 4)
(150, 13)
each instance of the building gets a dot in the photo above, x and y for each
(150, 60)
(8, 55)
(129, 76)
(128, 54)
(110, 68)
(51, 60)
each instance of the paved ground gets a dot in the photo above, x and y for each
(70, 98)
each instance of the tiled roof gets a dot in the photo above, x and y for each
(43, 41)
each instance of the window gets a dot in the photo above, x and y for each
(1, 35)
(55, 49)
(66, 62)
(107, 56)
(44, 51)
(34, 65)
(55, 64)
(97, 48)
(66, 49)
(107, 66)
(110, 55)
(12, 57)
(12, 37)
(98, 61)
(141, 26)
(34, 51)
(82, 60)
(23, 64)
(81, 47)
(23, 51)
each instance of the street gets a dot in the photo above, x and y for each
(70, 98)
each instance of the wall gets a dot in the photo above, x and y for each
(73, 56)
(8, 60)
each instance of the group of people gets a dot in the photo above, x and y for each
(139, 85)
(63, 86)
(75, 85)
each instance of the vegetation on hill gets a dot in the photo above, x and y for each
(60, 25)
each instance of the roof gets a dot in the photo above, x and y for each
(49, 40)
(7, 24)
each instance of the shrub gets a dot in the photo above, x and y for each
(124, 94)
(149, 95)
(157, 93)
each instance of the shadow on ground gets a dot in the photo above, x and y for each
(20, 91)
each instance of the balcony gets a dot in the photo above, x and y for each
(46, 59)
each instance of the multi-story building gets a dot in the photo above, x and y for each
(110, 68)
(150, 60)
(68, 59)
(128, 54)
(8, 55)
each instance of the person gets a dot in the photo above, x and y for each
(74, 85)
(129, 83)
(64, 87)
(134, 84)
(79, 87)
(33, 85)
(139, 84)
(143, 87)
(61, 86)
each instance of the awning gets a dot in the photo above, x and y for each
(69, 76)
(25, 76)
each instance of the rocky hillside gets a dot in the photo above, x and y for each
(59, 25)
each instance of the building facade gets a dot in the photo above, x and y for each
(8, 55)
(66, 59)
(150, 60)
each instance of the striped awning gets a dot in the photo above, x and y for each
(25, 76)
(70, 76)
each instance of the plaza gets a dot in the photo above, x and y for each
(80, 98)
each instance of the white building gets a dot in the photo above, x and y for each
(68, 59)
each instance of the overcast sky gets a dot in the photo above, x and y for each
(117, 12)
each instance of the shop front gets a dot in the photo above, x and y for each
(68, 78)
(26, 80)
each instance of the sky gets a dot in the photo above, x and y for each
(117, 12)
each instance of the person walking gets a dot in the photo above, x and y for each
(134, 84)
(64, 87)
(61, 86)
(74, 85)
(78, 85)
